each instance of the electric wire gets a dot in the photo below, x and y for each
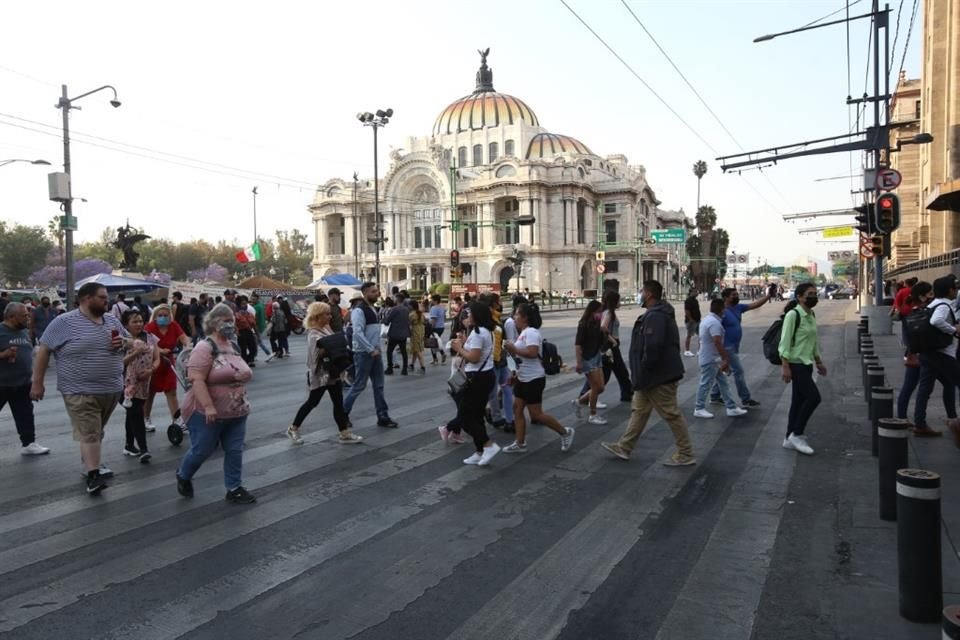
(906, 45)
(830, 15)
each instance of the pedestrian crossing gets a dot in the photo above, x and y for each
(397, 538)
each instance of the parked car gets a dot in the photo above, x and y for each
(843, 294)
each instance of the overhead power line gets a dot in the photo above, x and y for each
(906, 45)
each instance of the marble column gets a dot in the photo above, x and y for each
(488, 237)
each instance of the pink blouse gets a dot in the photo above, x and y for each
(226, 377)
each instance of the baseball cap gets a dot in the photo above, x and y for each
(334, 291)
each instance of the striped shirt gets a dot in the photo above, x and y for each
(86, 363)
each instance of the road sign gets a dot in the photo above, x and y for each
(601, 268)
(669, 236)
(888, 179)
(601, 256)
(742, 258)
(838, 232)
(68, 222)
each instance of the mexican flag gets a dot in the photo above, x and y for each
(250, 254)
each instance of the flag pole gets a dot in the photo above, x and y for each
(256, 267)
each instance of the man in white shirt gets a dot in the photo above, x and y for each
(940, 364)
(120, 306)
(714, 363)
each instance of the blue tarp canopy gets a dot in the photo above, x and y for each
(336, 279)
(121, 283)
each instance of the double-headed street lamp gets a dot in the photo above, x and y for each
(4, 163)
(68, 223)
(376, 120)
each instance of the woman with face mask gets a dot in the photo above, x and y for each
(216, 406)
(921, 294)
(799, 352)
(170, 335)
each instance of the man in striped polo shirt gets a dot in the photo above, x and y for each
(87, 344)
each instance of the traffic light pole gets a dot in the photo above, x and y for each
(878, 260)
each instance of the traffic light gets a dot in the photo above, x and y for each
(887, 213)
(454, 258)
(876, 246)
(865, 219)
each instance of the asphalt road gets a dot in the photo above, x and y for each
(396, 538)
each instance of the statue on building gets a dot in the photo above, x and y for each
(485, 73)
(127, 237)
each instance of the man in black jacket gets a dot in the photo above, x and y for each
(656, 369)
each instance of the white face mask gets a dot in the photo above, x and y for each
(228, 330)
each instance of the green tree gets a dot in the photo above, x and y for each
(707, 249)
(23, 250)
(56, 234)
(101, 249)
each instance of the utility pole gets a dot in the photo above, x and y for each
(356, 224)
(68, 204)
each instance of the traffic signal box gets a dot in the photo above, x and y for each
(876, 245)
(887, 213)
(865, 219)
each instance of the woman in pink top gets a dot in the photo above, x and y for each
(216, 407)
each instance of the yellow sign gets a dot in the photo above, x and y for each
(838, 232)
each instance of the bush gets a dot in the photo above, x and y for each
(442, 288)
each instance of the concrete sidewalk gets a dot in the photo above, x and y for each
(873, 568)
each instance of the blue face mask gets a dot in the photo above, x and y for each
(163, 321)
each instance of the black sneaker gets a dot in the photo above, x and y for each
(131, 451)
(717, 401)
(388, 372)
(750, 403)
(184, 487)
(499, 424)
(404, 372)
(509, 428)
(240, 496)
(145, 457)
(95, 483)
(387, 423)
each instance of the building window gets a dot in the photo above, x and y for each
(462, 157)
(493, 152)
(401, 273)
(477, 155)
(469, 238)
(581, 223)
(438, 236)
(610, 227)
(610, 207)
(613, 266)
(917, 110)
(508, 148)
(566, 235)
(418, 238)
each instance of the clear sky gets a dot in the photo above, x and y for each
(260, 89)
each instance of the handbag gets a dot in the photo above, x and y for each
(459, 381)
(431, 342)
(912, 360)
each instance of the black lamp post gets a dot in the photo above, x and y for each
(376, 120)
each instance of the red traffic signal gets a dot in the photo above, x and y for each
(454, 258)
(887, 213)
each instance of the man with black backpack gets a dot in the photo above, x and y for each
(938, 350)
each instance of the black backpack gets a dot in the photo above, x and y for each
(771, 339)
(337, 356)
(552, 362)
(922, 336)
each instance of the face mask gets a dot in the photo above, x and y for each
(643, 299)
(163, 321)
(811, 301)
(228, 330)
(46, 303)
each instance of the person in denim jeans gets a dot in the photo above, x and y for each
(714, 363)
(216, 406)
(732, 318)
(367, 360)
(921, 294)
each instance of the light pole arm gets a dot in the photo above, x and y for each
(771, 36)
(84, 95)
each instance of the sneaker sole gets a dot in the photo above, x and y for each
(672, 463)
(618, 454)
(349, 441)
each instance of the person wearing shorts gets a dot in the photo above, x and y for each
(530, 381)
(88, 345)
(691, 316)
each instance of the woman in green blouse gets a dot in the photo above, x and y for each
(799, 352)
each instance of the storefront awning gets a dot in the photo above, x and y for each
(945, 197)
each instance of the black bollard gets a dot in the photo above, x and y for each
(881, 406)
(951, 622)
(865, 363)
(861, 332)
(918, 545)
(893, 434)
(875, 378)
(865, 321)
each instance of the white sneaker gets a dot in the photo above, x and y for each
(798, 443)
(488, 454)
(474, 459)
(105, 471)
(689, 354)
(127, 403)
(601, 405)
(736, 411)
(596, 419)
(566, 440)
(33, 449)
(702, 413)
(149, 425)
(579, 407)
(515, 447)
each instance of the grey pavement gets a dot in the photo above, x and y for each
(396, 538)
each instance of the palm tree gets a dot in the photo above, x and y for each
(56, 233)
(699, 170)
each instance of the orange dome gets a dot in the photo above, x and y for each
(547, 145)
(484, 107)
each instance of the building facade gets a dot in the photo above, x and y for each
(524, 207)
(911, 241)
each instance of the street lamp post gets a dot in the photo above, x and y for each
(4, 163)
(65, 104)
(376, 120)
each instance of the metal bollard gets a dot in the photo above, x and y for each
(865, 321)
(875, 378)
(893, 434)
(881, 406)
(918, 545)
(951, 622)
(867, 362)
(861, 333)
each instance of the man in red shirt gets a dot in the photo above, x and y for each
(902, 306)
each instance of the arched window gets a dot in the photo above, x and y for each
(477, 154)
(493, 152)
(508, 148)
(462, 157)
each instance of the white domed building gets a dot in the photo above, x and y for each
(487, 165)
